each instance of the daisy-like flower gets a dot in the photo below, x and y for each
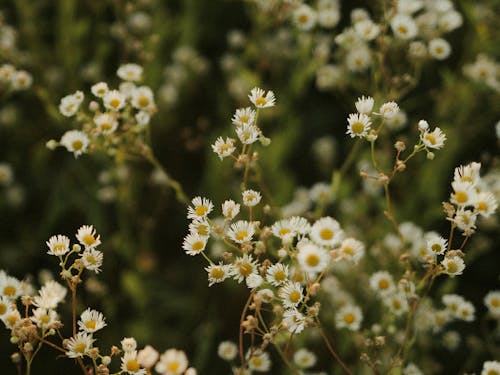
(364, 105)
(291, 294)
(485, 203)
(349, 317)
(21, 80)
(79, 345)
(367, 29)
(114, 100)
(467, 173)
(453, 265)
(58, 245)
(44, 319)
(70, 104)
(466, 311)
(300, 225)
(304, 358)
(358, 125)
(254, 280)
(434, 139)
(261, 99)
(283, 229)
(130, 72)
(382, 282)
(106, 123)
(148, 356)
(11, 318)
(10, 287)
(266, 295)
(403, 26)
(194, 243)
(223, 148)
(251, 198)
(130, 364)
(351, 249)
(92, 259)
(172, 362)
(465, 220)
(491, 368)
(294, 321)
(277, 274)
(436, 245)
(389, 110)
(75, 141)
(243, 116)
(86, 235)
(129, 344)
(230, 209)
(439, 48)
(143, 118)
(200, 208)
(397, 303)
(227, 350)
(464, 194)
(358, 59)
(50, 295)
(312, 259)
(492, 302)
(304, 17)
(91, 321)
(99, 89)
(217, 273)
(142, 98)
(241, 231)
(200, 227)
(452, 302)
(259, 361)
(243, 267)
(5, 305)
(326, 232)
(247, 134)
(417, 50)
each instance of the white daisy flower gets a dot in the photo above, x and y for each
(452, 302)
(351, 249)
(91, 321)
(201, 207)
(439, 48)
(258, 361)
(5, 305)
(106, 123)
(75, 141)
(382, 282)
(304, 17)
(450, 20)
(284, 230)
(58, 245)
(358, 59)
(142, 98)
(79, 345)
(70, 104)
(358, 125)
(130, 364)
(148, 356)
(99, 89)
(467, 173)
(10, 287)
(92, 259)
(294, 321)
(86, 235)
(251, 198)
(436, 245)
(194, 244)
(277, 274)
(114, 100)
(364, 105)
(404, 26)
(44, 319)
(328, 18)
(243, 267)
(200, 227)
(326, 232)
(397, 303)
(304, 358)
(466, 311)
(312, 259)
(485, 203)
(254, 280)
(142, 117)
(227, 350)
(349, 317)
(261, 99)
(367, 29)
(223, 148)
(492, 302)
(300, 225)
(247, 134)
(230, 209)
(491, 368)
(434, 139)
(172, 362)
(464, 194)
(130, 72)
(50, 295)
(241, 231)
(243, 116)
(417, 49)
(217, 273)
(21, 80)
(266, 295)
(129, 344)
(389, 110)
(11, 318)
(453, 266)
(465, 220)
(291, 294)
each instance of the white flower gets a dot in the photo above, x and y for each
(367, 29)
(466, 311)
(130, 364)
(217, 273)
(5, 306)
(326, 232)
(243, 267)
(467, 173)
(143, 98)
(382, 282)
(261, 99)
(266, 295)
(452, 303)
(148, 356)
(92, 259)
(194, 243)
(21, 80)
(349, 317)
(106, 123)
(294, 321)
(130, 72)
(485, 203)
(465, 220)
(11, 318)
(464, 194)
(491, 368)
(436, 245)
(230, 209)
(86, 235)
(417, 49)
(99, 89)
(10, 287)
(259, 361)
(364, 105)
(358, 59)
(200, 227)
(277, 274)
(300, 225)
(284, 230)
(58, 245)
(492, 302)
(434, 139)
(397, 303)
(453, 265)
(251, 198)
(223, 148)
(227, 350)
(79, 345)
(241, 231)
(200, 209)
(70, 104)
(328, 18)
(304, 358)
(129, 344)
(143, 117)
(389, 110)
(44, 319)
(351, 249)
(358, 125)
(244, 116)
(50, 295)
(439, 48)
(75, 141)
(114, 100)
(91, 321)
(312, 259)
(172, 362)
(403, 26)
(304, 17)
(291, 294)
(450, 20)
(247, 134)
(254, 280)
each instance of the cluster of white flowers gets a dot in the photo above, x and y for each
(14, 79)
(484, 70)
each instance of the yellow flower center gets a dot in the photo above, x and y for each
(132, 365)
(492, 372)
(244, 118)
(396, 304)
(349, 318)
(295, 296)
(403, 29)
(203, 230)
(439, 50)
(198, 245)
(280, 275)
(59, 247)
(201, 210)
(115, 103)
(326, 234)
(3, 308)
(106, 126)
(348, 250)
(461, 196)
(9, 290)
(143, 101)
(90, 324)
(89, 239)
(383, 284)
(431, 138)
(217, 273)
(225, 147)
(241, 235)
(494, 302)
(284, 231)
(77, 145)
(482, 206)
(452, 267)
(260, 101)
(312, 260)
(90, 259)
(173, 366)
(303, 18)
(80, 347)
(436, 248)
(246, 269)
(357, 127)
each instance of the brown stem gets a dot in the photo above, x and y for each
(330, 349)
(242, 318)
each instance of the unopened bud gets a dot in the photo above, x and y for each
(430, 155)
(52, 144)
(400, 146)
(423, 125)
